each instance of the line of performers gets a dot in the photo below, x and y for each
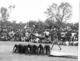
(31, 49)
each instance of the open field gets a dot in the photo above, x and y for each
(7, 55)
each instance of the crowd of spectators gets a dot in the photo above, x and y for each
(10, 33)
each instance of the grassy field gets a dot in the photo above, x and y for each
(7, 55)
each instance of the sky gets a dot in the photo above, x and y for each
(26, 10)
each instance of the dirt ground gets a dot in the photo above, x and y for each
(7, 55)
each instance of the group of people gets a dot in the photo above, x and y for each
(32, 49)
(48, 35)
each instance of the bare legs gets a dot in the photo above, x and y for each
(55, 42)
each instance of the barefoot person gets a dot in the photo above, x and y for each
(56, 41)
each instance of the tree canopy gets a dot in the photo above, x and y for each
(59, 13)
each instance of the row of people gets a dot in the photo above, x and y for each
(32, 49)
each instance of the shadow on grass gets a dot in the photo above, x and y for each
(73, 57)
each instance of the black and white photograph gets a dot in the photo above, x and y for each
(39, 30)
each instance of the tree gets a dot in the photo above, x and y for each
(5, 12)
(31, 25)
(76, 26)
(40, 26)
(60, 13)
(49, 24)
